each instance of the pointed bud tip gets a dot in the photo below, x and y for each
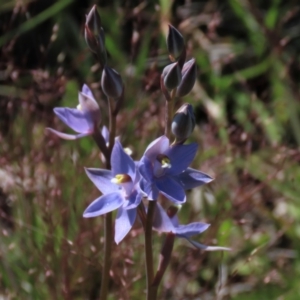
(175, 42)
(189, 75)
(111, 83)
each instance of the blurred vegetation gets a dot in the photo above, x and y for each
(247, 102)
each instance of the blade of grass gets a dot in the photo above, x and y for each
(31, 23)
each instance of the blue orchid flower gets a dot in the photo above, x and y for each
(163, 223)
(83, 119)
(120, 190)
(164, 169)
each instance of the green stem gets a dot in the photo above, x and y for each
(107, 255)
(169, 113)
(151, 290)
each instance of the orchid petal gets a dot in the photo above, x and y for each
(192, 178)
(191, 229)
(89, 106)
(181, 157)
(207, 248)
(124, 222)
(161, 221)
(87, 91)
(158, 146)
(121, 162)
(75, 119)
(175, 220)
(149, 189)
(146, 168)
(102, 180)
(103, 205)
(134, 200)
(171, 189)
(67, 136)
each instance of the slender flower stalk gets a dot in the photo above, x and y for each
(113, 88)
(164, 258)
(142, 214)
(112, 123)
(108, 238)
(108, 234)
(100, 141)
(151, 290)
(169, 113)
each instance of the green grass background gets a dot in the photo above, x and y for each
(246, 101)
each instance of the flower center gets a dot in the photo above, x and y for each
(162, 163)
(125, 183)
(121, 178)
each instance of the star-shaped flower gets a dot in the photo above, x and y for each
(119, 187)
(164, 169)
(163, 223)
(83, 119)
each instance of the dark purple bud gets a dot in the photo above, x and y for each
(90, 39)
(93, 21)
(94, 35)
(171, 76)
(101, 51)
(111, 83)
(189, 75)
(175, 42)
(183, 122)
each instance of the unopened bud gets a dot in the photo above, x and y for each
(94, 35)
(183, 122)
(189, 75)
(90, 40)
(171, 76)
(175, 42)
(93, 21)
(111, 83)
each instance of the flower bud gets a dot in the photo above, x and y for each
(183, 122)
(172, 76)
(90, 40)
(175, 42)
(189, 74)
(94, 35)
(111, 83)
(93, 21)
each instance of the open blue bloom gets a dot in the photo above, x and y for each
(83, 119)
(119, 187)
(164, 169)
(163, 223)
